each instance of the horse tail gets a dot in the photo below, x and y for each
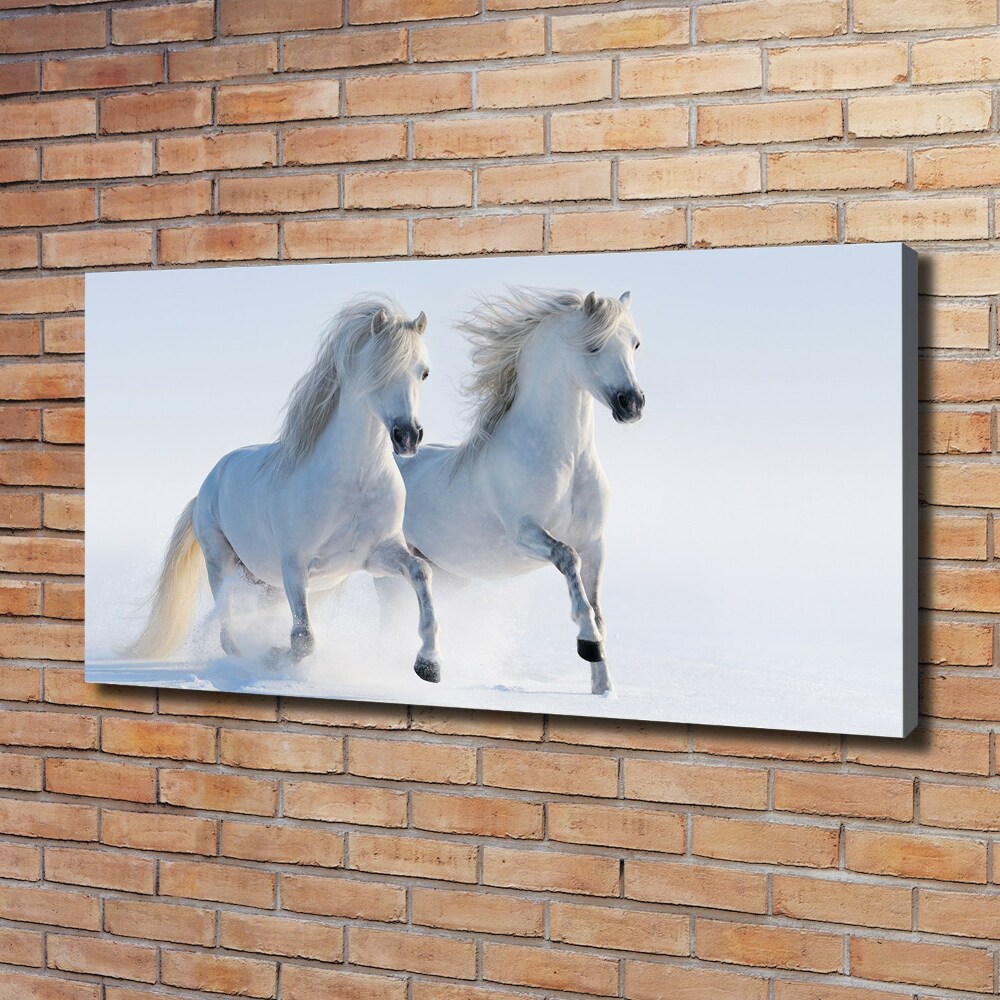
(176, 595)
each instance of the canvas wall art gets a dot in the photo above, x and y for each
(657, 486)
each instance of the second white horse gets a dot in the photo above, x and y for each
(527, 488)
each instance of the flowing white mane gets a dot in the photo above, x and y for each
(499, 329)
(351, 346)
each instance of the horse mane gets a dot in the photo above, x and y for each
(498, 330)
(347, 340)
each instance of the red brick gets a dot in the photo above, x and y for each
(839, 902)
(156, 201)
(922, 963)
(19, 78)
(380, 11)
(69, 161)
(18, 251)
(41, 295)
(550, 871)
(44, 207)
(177, 22)
(352, 237)
(479, 41)
(223, 62)
(48, 729)
(20, 336)
(470, 235)
(282, 844)
(620, 929)
(765, 843)
(962, 807)
(335, 51)
(486, 817)
(407, 951)
(306, 983)
(90, 248)
(20, 947)
(649, 981)
(99, 779)
(155, 921)
(545, 84)
(281, 936)
(252, 17)
(51, 32)
(550, 968)
(278, 102)
(345, 143)
(768, 947)
(102, 869)
(45, 467)
(819, 793)
(686, 884)
(218, 792)
(343, 897)
(341, 803)
(243, 977)
(695, 784)
(753, 19)
(32, 987)
(412, 761)
(146, 831)
(222, 241)
(408, 189)
(420, 857)
(173, 740)
(18, 163)
(137, 69)
(408, 93)
(156, 111)
(225, 151)
(478, 911)
(222, 883)
(37, 906)
(51, 820)
(21, 772)
(65, 686)
(909, 855)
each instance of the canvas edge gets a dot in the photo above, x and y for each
(910, 480)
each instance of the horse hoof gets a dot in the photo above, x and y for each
(303, 644)
(587, 649)
(427, 670)
(600, 682)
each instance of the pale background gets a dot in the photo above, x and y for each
(755, 542)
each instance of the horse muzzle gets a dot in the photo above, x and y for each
(626, 406)
(406, 438)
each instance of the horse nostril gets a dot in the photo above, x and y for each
(420, 434)
(397, 434)
(623, 400)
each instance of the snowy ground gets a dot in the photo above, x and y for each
(511, 646)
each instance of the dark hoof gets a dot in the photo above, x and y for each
(427, 670)
(592, 652)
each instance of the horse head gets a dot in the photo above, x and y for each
(604, 362)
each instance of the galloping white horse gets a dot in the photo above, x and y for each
(527, 487)
(321, 502)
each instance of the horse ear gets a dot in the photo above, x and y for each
(625, 299)
(378, 321)
(420, 323)
(591, 303)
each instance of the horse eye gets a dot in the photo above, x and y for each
(593, 350)
(425, 374)
(637, 345)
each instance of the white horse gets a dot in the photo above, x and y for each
(527, 487)
(324, 500)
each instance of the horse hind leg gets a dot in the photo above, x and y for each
(222, 565)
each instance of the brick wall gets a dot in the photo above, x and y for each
(181, 844)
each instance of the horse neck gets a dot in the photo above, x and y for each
(353, 436)
(547, 398)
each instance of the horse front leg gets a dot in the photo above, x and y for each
(534, 540)
(591, 572)
(393, 558)
(294, 579)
